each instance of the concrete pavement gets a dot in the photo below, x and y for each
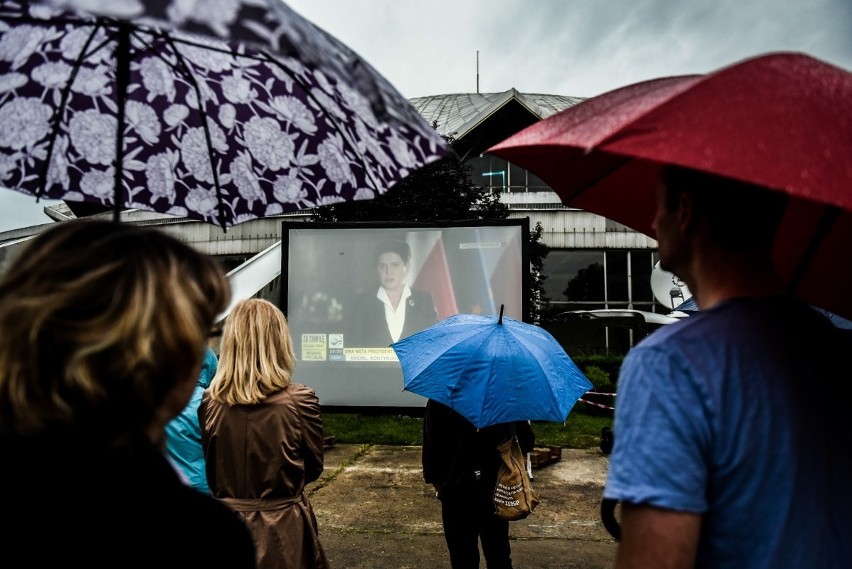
(375, 512)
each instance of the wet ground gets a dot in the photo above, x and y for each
(375, 512)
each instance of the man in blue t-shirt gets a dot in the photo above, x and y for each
(183, 433)
(732, 446)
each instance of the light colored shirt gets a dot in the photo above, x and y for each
(394, 317)
(731, 413)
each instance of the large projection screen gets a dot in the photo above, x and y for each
(330, 280)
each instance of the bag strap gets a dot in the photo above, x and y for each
(525, 455)
(609, 519)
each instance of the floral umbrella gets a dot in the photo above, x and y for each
(130, 105)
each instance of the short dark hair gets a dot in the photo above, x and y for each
(740, 215)
(397, 246)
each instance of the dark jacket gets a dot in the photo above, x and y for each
(453, 449)
(72, 503)
(370, 329)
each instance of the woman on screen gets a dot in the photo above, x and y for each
(394, 310)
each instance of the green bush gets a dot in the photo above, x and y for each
(602, 384)
(609, 363)
(600, 379)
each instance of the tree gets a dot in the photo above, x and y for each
(587, 284)
(537, 299)
(442, 191)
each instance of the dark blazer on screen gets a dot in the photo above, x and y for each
(370, 329)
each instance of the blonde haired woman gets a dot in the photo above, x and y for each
(102, 332)
(263, 438)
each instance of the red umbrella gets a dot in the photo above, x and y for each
(782, 120)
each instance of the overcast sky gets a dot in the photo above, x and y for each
(561, 47)
(573, 47)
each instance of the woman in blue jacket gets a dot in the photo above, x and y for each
(183, 433)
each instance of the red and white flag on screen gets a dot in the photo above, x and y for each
(430, 271)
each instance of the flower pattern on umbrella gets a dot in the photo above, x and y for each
(222, 132)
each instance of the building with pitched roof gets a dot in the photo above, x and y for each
(593, 263)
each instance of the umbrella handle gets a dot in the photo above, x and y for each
(609, 518)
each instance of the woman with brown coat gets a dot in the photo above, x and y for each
(263, 437)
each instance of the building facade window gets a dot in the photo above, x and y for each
(583, 279)
(498, 175)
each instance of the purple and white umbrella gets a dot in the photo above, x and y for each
(223, 111)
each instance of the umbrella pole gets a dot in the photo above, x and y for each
(500, 320)
(122, 79)
(826, 222)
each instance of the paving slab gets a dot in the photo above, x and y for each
(374, 511)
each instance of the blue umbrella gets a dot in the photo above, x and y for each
(491, 369)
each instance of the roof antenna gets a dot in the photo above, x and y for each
(477, 72)
(500, 321)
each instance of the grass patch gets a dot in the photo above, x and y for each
(581, 430)
(351, 428)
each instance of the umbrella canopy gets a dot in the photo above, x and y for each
(491, 369)
(129, 105)
(782, 120)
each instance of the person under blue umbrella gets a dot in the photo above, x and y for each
(461, 462)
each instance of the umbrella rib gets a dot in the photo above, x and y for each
(122, 81)
(829, 216)
(554, 399)
(456, 388)
(205, 127)
(329, 115)
(57, 114)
